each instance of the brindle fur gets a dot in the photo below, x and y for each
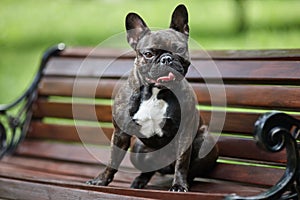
(184, 132)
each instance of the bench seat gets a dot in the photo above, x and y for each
(61, 137)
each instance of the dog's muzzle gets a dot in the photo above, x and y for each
(165, 69)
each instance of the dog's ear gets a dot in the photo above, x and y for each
(179, 21)
(136, 28)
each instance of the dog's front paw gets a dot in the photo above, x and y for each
(178, 188)
(139, 183)
(99, 180)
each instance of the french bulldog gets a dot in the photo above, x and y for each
(158, 107)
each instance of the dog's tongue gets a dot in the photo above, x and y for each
(170, 77)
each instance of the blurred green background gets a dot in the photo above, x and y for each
(28, 27)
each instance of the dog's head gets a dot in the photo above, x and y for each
(162, 56)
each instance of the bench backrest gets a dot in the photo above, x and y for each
(79, 83)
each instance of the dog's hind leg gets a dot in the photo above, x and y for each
(201, 165)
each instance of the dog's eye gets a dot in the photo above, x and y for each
(181, 50)
(148, 54)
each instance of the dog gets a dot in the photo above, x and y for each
(158, 107)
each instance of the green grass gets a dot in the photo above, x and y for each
(28, 27)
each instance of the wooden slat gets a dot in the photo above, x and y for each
(80, 111)
(83, 52)
(60, 151)
(254, 96)
(234, 122)
(244, 148)
(53, 170)
(92, 67)
(246, 70)
(79, 87)
(53, 166)
(219, 69)
(247, 174)
(19, 189)
(8, 170)
(278, 54)
(79, 133)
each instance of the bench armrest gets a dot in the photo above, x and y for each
(274, 132)
(13, 127)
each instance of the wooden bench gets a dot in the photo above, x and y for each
(66, 118)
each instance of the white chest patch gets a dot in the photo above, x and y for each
(150, 115)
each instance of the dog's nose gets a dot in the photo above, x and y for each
(166, 60)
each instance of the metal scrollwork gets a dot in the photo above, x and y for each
(15, 117)
(273, 132)
(3, 140)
